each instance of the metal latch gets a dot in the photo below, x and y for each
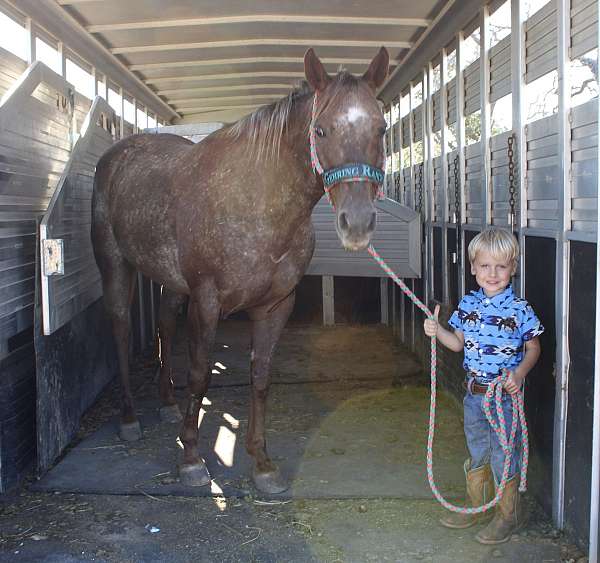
(53, 257)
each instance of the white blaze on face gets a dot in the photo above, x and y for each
(354, 114)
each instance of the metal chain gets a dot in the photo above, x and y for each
(512, 188)
(457, 217)
(420, 189)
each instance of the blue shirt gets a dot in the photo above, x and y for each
(495, 329)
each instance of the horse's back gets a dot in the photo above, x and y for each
(133, 207)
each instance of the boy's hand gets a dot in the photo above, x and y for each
(431, 326)
(513, 382)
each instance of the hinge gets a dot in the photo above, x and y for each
(53, 257)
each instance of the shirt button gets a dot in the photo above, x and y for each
(482, 326)
(487, 301)
(480, 352)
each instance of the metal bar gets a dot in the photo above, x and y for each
(517, 61)
(411, 129)
(31, 54)
(595, 485)
(429, 181)
(142, 319)
(444, 172)
(152, 308)
(328, 301)
(562, 266)
(484, 92)
(460, 141)
(400, 169)
(383, 299)
(122, 117)
(63, 59)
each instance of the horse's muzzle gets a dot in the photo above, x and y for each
(355, 227)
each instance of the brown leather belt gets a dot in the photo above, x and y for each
(478, 389)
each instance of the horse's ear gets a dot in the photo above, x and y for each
(315, 71)
(378, 69)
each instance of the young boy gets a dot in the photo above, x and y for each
(496, 330)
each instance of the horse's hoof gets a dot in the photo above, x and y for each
(195, 475)
(270, 482)
(170, 414)
(130, 431)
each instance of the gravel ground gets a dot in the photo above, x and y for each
(65, 527)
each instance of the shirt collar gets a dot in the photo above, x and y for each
(502, 298)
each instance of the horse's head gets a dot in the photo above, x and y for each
(347, 130)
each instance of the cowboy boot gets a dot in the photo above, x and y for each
(507, 518)
(480, 490)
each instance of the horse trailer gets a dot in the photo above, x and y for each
(491, 118)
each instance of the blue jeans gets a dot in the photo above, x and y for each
(482, 440)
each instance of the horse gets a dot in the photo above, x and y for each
(226, 223)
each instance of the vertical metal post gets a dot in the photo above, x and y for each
(95, 79)
(562, 264)
(140, 284)
(460, 142)
(429, 182)
(152, 308)
(135, 119)
(122, 120)
(383, 298)
(400, 141)
(411, 136)
(390, 179)
(517, 61)
(403, 201)
(595, 487)
(29, 26)
(328, 301)
(484, 97)
(444, 172)
(63, 60)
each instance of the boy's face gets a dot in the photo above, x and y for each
(492, 273)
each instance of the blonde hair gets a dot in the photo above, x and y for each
(498, 242)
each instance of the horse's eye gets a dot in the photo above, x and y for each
(382, 130)
(319, 132)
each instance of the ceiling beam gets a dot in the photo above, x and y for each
(208, 109)
(219, 99)
(228, 76)
(259, 18)
(59, 23)
(247, 60)
(172, 94)
(259, 42)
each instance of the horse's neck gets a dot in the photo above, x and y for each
(303, 187)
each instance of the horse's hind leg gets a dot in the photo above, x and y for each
(167, 326)
(203, 316)
(265, 335)
(118, 280)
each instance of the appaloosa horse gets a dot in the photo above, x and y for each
(227, 222)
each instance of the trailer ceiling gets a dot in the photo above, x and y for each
(216, 61)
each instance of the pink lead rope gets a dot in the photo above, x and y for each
(495, 389)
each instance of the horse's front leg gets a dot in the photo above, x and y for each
(265, 335)
(203, 315)
(167, 327)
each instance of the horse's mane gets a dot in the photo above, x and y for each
(264, 127)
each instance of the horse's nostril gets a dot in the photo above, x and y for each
(343, 222)
(372, 222)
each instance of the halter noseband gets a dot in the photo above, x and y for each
(350, 172)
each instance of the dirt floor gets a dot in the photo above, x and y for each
(347, 423)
